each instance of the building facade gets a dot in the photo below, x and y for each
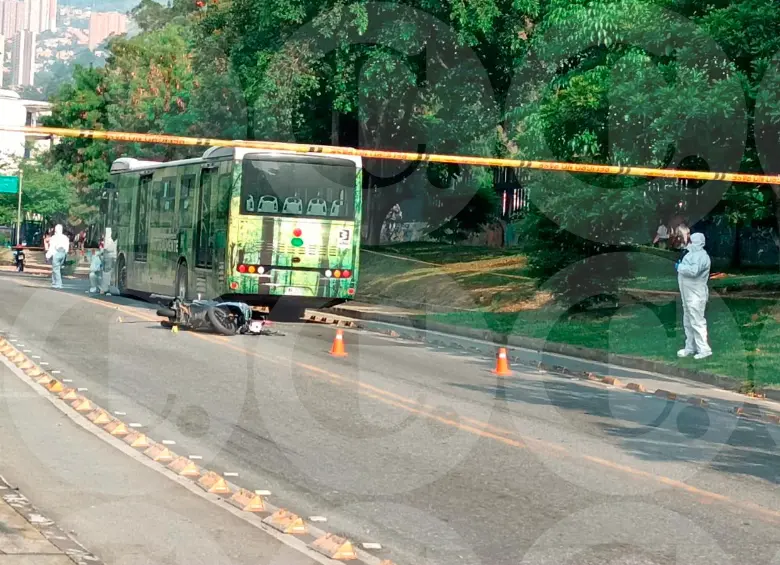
(23, 59)
(104, 24)
(15, 111)
(11, 17)
(40, 15)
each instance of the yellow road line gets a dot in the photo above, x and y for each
(478, 428)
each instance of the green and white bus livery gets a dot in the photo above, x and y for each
(256, 226)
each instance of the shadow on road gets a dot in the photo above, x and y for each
(655, 429)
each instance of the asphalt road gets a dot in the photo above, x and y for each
(423, 450)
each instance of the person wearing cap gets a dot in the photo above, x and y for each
(693, 273)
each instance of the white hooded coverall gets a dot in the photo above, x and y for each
(693, 273)
(59, 245)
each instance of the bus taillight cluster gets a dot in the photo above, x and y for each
(259, 270)
(338, 274)
(251, 269)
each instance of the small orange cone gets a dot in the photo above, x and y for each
(337, 349)
(502, 364)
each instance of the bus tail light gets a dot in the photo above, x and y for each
(234, 286)
(252, 269)
(351, 291)
(338, 274)
(241, 269)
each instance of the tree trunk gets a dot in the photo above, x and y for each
(736, 251)
(250, 120)
(776, 193)
(377, 205)
(334, 128)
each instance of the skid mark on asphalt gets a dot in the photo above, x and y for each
(479, 428)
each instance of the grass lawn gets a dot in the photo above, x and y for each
(489, 288)
(452, 277)
(744, 333)
(653, 272)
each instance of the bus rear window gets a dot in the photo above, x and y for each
(295, 187)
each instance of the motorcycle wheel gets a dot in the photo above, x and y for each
(223, 321)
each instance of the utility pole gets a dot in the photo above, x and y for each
(19, 209)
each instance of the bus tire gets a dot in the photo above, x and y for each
(180, 289)
(222, 321)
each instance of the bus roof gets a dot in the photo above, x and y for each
(124, 164)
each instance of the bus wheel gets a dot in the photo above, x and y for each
(121, 277)
(223, 321)
(180, 291)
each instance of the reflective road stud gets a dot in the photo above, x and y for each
(335, 547)
(286, 522)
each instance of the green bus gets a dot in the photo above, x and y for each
(272, 229)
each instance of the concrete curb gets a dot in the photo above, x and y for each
(528, 357)
(243, 501)
(543, 346)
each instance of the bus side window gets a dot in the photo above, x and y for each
(185, 200)
(167, 201)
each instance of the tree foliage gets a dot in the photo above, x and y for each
(657, 83)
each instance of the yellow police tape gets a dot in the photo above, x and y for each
(395, 155)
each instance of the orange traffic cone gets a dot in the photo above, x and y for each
(502, 364)
(337, 349)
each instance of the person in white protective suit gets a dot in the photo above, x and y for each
(59, 245)
(693, 273)
(109, 261)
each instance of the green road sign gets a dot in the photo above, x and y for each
(9, 185)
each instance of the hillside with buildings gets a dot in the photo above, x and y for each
(41, 40)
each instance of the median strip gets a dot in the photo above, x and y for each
(249, 501)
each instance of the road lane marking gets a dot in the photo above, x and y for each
(248, 517)
(477, 428)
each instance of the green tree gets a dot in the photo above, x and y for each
(46, 192)
(82, 104)
(622, 82)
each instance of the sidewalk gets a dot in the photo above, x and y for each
(36, 264)
(29, 538)
(120, 504)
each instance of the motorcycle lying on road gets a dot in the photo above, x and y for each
(226, 318)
